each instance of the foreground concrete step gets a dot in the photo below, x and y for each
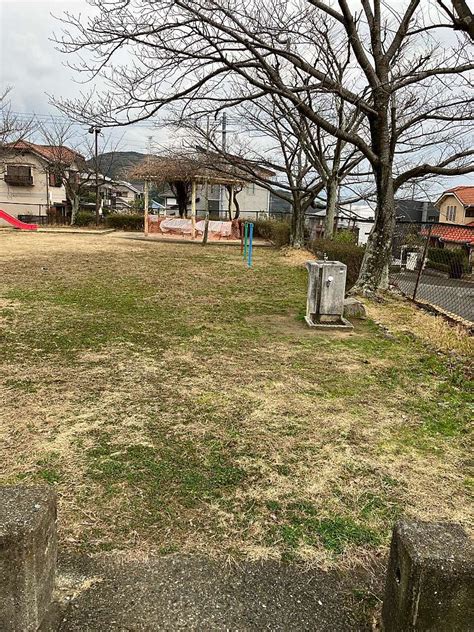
(27, 556)
(195, 593)
(430, 579)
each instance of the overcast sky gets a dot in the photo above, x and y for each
(33, 68)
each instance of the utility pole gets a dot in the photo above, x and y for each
(208, 131)
(224, 146)
(96, 131)
(148, 150)
(146, 201)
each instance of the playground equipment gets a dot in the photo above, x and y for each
(16, 222)
(326, 290)
(247, 242)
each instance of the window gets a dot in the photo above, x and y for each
(54, 179)
(251, 188)
(451, 213)
(19, 175)
(470, 212)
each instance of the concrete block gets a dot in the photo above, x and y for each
(430, 579)
(28, 549)
(354, 308)
(325, 297)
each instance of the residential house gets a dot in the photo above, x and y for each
(452, 237)
(29, 185)
(115, 195)
(416, 211)
(252, 199)
(456, 205)
(456, 214)
(125, 195)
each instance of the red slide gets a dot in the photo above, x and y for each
(16, 222)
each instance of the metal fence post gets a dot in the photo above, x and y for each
(423, 259)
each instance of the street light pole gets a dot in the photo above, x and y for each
(96, 131)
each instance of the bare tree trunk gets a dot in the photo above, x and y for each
(373, 274)
(297, 224)
(74, 208)
(332, 190)
(182, 197)
(237, 207)
(228, 188)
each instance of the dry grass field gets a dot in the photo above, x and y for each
(177, 401)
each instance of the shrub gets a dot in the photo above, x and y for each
(133, 222)
(84, 218)
(346, 252)
(276, 231)
(435, 265)
(345, 237)
(453, 261)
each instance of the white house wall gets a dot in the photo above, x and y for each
(28, 200)
(363, 211)
(252, 198)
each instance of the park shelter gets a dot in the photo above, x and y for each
(184, 172)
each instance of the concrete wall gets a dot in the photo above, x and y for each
(28, 200)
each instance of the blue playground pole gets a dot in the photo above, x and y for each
(249, 262)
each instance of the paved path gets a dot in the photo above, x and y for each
(452, 295)
(195, 593)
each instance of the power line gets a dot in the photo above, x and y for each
(149, 124)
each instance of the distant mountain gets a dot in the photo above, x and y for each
(117, 164)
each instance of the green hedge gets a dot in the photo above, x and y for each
(455, 261)
(435, 265)
(346, 252)
(133, 222)
(84, 218)
(446, 255)
(277, 232)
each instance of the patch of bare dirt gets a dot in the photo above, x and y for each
(296, 256)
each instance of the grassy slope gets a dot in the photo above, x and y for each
(175, 399)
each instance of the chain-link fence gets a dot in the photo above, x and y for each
(433, 264)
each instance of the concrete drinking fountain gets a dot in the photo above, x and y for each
(326, 290)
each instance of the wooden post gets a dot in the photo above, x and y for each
(193, 209)
(146, 204)
(206, 230)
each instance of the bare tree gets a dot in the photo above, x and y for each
(276, 148)
(265, 152)
(461, 15)
(67, 164)
(187, 50)
(306, 159)
(13, 127)
(177, 170)
(180, 167)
